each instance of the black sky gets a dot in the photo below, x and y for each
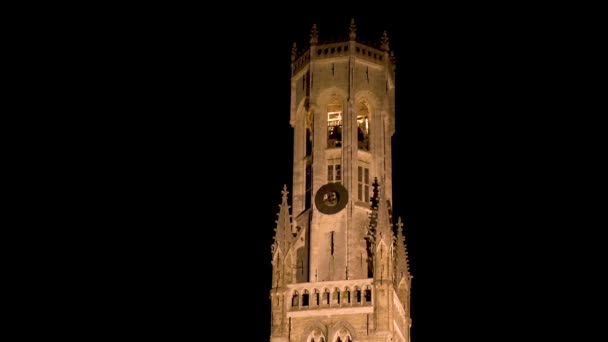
(204, 147)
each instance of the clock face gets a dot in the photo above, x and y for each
(331, 198)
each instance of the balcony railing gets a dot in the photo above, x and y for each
(331, 294)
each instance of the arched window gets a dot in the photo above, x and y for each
(343, 336)
(334, 123)
(336, 296)
(326, 297)
(358, 295)
(346, 296)
(368, 294)
(305, 298)
(309, 126)
(316, 298)
(316, 336)
(363, 126)
(295, 299)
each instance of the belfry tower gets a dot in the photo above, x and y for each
(340, 267)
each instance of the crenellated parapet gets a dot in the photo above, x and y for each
(378, 53)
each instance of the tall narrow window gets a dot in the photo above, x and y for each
(338, 173)
(363, 184)
(363, 126)
(366, 184)
(334, 171)
(332, 243)
(360, 184)
(368, 294)
(334, 124)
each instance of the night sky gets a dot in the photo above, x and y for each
(205, 147)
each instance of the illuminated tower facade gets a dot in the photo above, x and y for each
(340, 268)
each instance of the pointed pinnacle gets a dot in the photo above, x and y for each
(294, 52)
(314, 35)
(384, 42)
(353, 29)
(400, 224)
(284, 192)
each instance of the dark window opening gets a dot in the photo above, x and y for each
(308, 142)
(368, 295)
(305, 298)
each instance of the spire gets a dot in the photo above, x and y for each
(380, 239)
(402, 262)
(353, 29)
(384, 42)
(283, 235)
(294, 52)
(314, 35)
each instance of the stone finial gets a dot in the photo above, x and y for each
(384, 42)
(284, 192)
(314, 35)
(399, 224)
(353, 29)
(294, 52)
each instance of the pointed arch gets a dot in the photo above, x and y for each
(403, 292)
(369, 98)
(316, 330)
(343, 330)
(403, 282)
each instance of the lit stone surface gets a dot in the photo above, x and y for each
(340, 276)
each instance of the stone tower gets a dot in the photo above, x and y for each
(340, 268)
